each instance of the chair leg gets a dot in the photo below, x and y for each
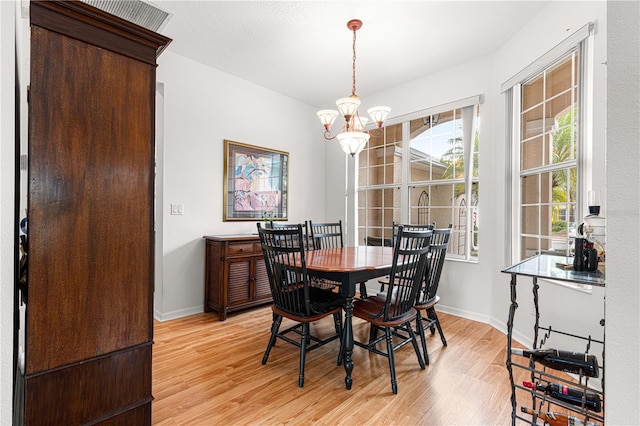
(303, 352)
(420, 328)
(339, 360)
(274, 318)
(373, 333)
(433, 315)
(392, 366)
(412, 334)
(275, 326)
(337, 322)
(363, 290)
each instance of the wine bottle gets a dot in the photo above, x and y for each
(570, 395)
(557, 419)
(570, 362)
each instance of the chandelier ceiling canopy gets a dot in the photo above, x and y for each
(353, 136)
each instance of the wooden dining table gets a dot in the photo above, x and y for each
(349, 266)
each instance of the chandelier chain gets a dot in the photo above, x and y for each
(353, 87)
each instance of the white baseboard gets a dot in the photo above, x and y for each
(501, 326)
(166, 316)
(470, 315)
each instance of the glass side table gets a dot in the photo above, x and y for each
(551, 267)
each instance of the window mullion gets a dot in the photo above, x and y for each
(406, 167)
(584, 176)
(468, 115)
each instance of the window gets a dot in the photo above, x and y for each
(437, 182)
(550, 167)
(548, 152)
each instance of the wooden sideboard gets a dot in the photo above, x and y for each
(235, 274)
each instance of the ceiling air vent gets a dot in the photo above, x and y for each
(139, 12)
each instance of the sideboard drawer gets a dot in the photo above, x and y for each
(240, 249)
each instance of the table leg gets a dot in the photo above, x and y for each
(512, 313)
(536, 326)
(348, 341)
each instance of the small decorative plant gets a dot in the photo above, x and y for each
(268, 215)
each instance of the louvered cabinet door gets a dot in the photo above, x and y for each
(89, 316)
(263, 291)
(240, 278)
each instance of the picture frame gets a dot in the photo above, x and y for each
(255, 182)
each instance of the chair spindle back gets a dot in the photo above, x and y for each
(407, 272)
(408, 227)
(305, 229)
(326, 235)
(289, 284)
(435, 262)
(441, 236)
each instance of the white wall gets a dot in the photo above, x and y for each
(202, 108)
(623, 226)
(7, 156)
(335, 184)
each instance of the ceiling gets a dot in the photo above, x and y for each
(302, 49)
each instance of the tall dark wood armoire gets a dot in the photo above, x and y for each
(89, 315)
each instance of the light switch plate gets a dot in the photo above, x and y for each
(177, 208)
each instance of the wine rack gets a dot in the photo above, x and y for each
(543, 266)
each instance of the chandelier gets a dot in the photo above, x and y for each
(353, 136)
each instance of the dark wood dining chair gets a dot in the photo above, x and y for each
(442, 235)
(308, 245)
(293, 297)
(409, 227)
(305, 230)
(325, 236)
(428, 295)
(395, 225)
(396, 309)
(329, 235)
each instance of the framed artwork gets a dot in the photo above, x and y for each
(255, 182)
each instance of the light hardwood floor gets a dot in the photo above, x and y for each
(208, 372)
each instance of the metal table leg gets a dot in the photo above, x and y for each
(512, 313)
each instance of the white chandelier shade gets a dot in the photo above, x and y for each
(327, 117)
(353, 142)
(348, 106)
(359, 123)
(379, 114)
